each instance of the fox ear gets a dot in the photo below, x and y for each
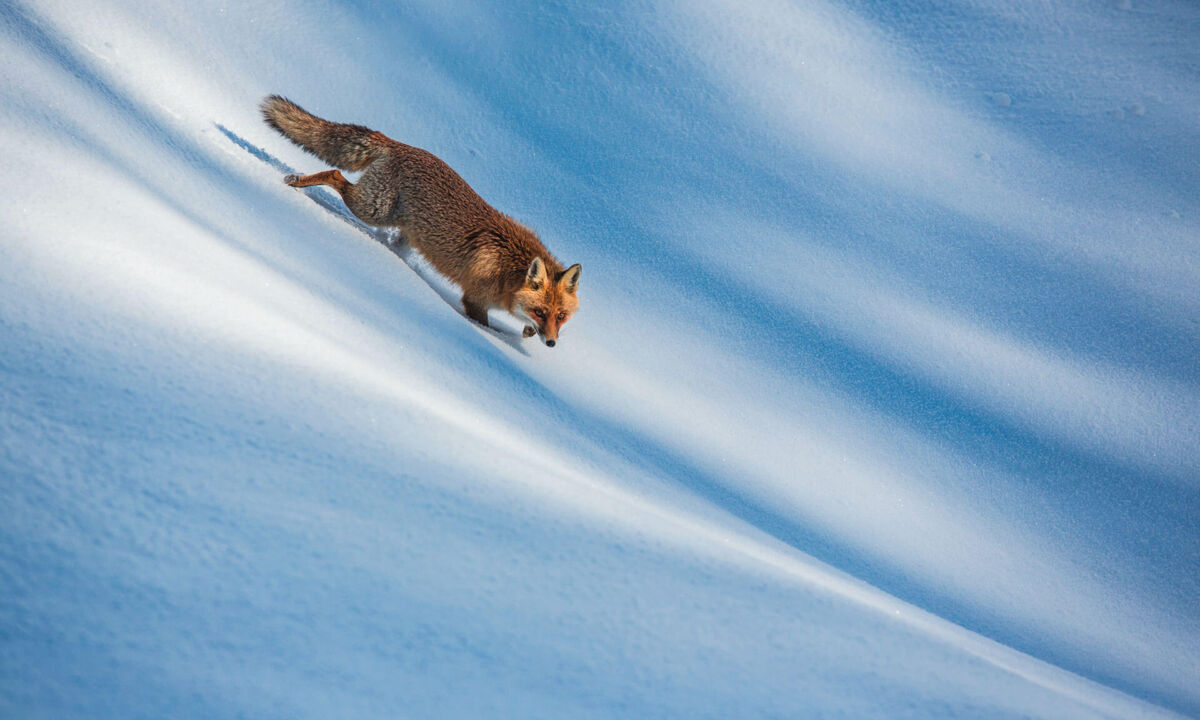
(570, 278)
(535, 276)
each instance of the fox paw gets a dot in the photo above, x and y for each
(290, 179)
(529, 332)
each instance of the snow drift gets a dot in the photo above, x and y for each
(881, 401)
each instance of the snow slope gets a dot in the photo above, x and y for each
(882, 400)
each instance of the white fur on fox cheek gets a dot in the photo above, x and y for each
(521, 314)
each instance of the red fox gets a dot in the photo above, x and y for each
(494, 259)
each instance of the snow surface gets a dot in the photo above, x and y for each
(883, 399)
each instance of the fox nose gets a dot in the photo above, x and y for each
(549, 343)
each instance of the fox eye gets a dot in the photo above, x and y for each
(541, 314)
(562, 316)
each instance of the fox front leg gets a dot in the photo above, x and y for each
(529, 331)
(475, 311)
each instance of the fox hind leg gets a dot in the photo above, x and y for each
(372, 208)
(333, 178)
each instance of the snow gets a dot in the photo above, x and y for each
(881, 400)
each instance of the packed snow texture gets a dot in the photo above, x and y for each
(883, 398)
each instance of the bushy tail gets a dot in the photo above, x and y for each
(349, 147)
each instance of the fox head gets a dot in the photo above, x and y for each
(547, 301)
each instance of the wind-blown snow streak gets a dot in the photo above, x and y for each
(881, 401)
